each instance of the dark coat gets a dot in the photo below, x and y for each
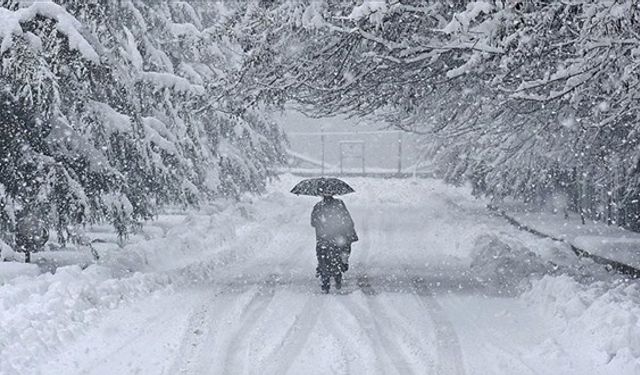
(333, 223)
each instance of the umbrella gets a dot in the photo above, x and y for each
(322, 186)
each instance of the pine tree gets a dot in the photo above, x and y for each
(113, 109)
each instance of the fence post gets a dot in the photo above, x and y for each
(399, 152)
(322, 140)
(341, 160)
(363, 159)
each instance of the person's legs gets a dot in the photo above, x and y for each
(323, 270)
(321, 248)
(319, 257)
(335, 264)
(344, 257)
(338, 278)
(326, 283)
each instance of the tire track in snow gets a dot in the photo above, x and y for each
(384, 328)
(249, 318)
(297, 335)
(450, 359)
(195, 337)
(376, 324)
(345, 339)
(192, 341)
(383, 345)
(449, 352)
(367, 327)
(200, 336)
(141, 335)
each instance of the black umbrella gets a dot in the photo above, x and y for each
(322, 186)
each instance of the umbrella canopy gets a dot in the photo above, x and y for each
(322, 186)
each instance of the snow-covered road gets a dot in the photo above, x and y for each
(411, 303)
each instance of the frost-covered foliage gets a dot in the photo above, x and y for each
(110, 109)
(522, 96)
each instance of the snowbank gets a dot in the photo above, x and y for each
(12, 270)
(608, 241)
(503, 263)
(40, 313)
(601, 319)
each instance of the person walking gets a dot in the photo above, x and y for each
(335, 232)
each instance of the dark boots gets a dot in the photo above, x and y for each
(338, 279)
(326, 284)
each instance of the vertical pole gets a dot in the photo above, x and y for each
(622, 208)
(399, 152)
(363, 159)
(341, 157)
(322, 139)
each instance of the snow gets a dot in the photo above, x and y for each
(10, 25)
(473, 61)
(34, 41)
(161, 81)
(188, 10)
(374, 10)
(156, 131)
(184, 30)
(11, 270)
(132, 50)
(68, 141)
(310, 160)
(503, 262)
(188, 71)
(117, 202)
(603, 106)
(461, 21)
(112, 120)
(43, 313)
(608, 241)
(4, 248)
(140, 19)
(620, 11)
(603, 321)
(312, 17)
(230, 289)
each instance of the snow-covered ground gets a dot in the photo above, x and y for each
(598, 238)
(437, 285)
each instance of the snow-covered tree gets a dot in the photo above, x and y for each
(110, 109)
(527, 96)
